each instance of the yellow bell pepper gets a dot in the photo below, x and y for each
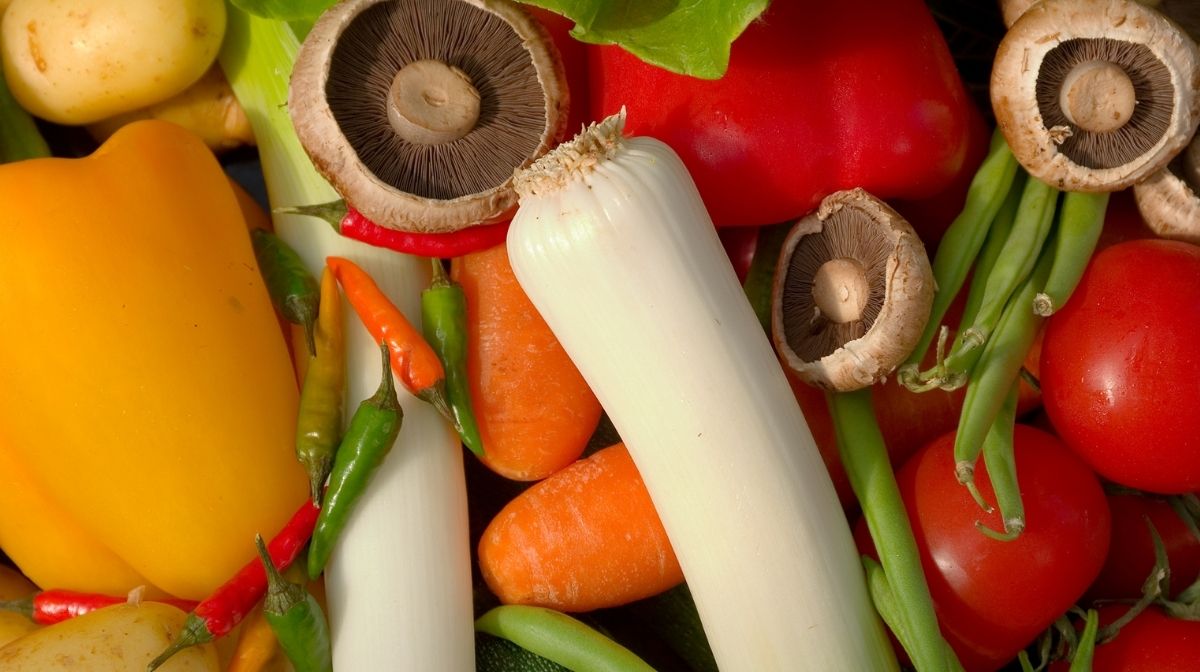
(148, 405)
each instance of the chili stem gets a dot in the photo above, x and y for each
(559, 638)
(865, 457)
(296, 618)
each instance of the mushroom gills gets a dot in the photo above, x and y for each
(835, 284)
(415, 88)
(1113, 98)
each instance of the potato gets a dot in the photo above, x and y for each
(120, 637)
(78, 61)
(207, 108)
(14, 586)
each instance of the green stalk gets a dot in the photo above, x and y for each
(865, 457)
(19, 135)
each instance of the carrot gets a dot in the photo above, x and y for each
(586, 538)
(534, 409)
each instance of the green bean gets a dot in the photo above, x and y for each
(444, 322)
(963, 239)
(368, 440)
(1002, 471)
(861, 447)
(296, 618)
(997, 236)
(319, 416)
(1022, 248)
(293, 289)
(1080, 221)
(559, 638)
(885, 603)
(997, 371)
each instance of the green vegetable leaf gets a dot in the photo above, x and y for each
(691, 37)
(284, 10)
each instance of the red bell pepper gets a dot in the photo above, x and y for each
(819, 96)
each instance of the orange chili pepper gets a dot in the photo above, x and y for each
(256, 644)
(414, 362)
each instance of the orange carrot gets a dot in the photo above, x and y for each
(586, 538)
(414, 362)
(534, 409)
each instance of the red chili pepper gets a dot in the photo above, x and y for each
(220, 612)
(55, 606)
(352, 224)
(435, 245)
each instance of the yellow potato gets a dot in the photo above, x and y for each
(121, 637)
(207, 108)
(79, 61)
(14, 586)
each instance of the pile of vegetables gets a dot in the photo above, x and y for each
(541, 335)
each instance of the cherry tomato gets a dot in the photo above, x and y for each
(1131, 553)
(992, 597)
(1120, 367)
(1151, 642)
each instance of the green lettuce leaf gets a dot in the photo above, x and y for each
(284, 10)
(691, 37)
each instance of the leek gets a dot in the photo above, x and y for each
(399, 582)
(614, 247)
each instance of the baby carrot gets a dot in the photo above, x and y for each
(534, 410)
(586, 538)
(415, 363)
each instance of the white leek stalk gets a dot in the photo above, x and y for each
(399, 582)
(615, 248)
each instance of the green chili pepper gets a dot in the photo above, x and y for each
(444, 321)
(319, 418)
(368, 440)
(293, 289)
(296, 618)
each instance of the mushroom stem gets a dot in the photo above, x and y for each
(431, 103)
(841, 289)
(1098, 96)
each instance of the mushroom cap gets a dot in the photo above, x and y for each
(1059, 34)
(339, 162)
(1013, 9)
(903, 309)
(1168, 200)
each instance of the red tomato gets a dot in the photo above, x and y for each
(993, 597)
(1120, 367)
(1151, 642)
(1131, 554)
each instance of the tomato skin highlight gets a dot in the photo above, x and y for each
(1120, 368)
(992, 597)
(1151, 642)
